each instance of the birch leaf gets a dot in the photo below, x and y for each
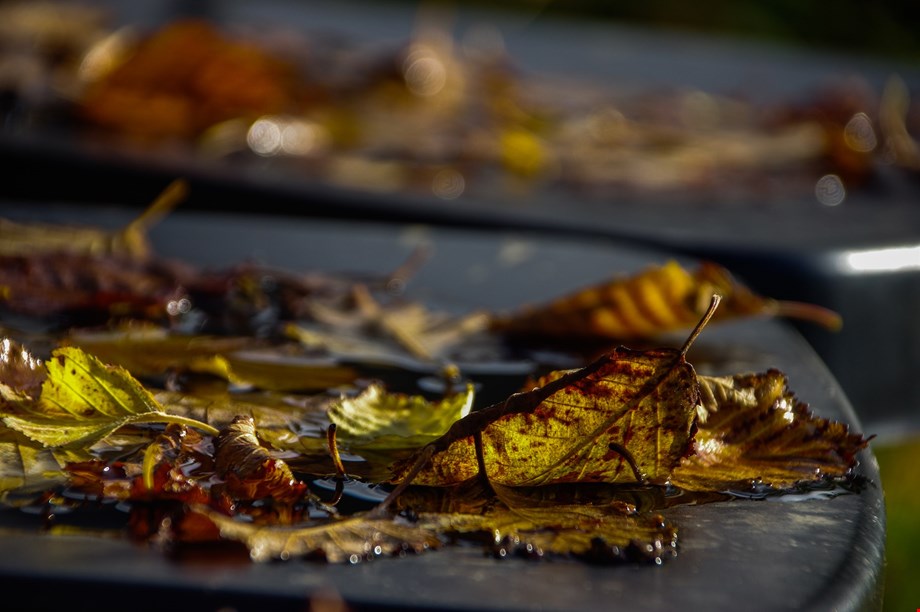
(82, 401)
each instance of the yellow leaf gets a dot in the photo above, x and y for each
(351, 539)
(131, 240)
(658, 300)
(628, 410)
(379, 420)
(238, 360)
(82, 401)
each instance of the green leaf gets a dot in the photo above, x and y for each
(83, 400)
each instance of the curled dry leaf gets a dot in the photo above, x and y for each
(753, 430)
(21, 372)
(249, 469)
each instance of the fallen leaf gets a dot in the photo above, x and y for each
(595, 533)
(337, 540)
(249, 469)
(27, 468)
(130, 241)
(240, 360)
(754, 431)
(658, 300)
(21, 372)
(378, 420)
(82, 401)
(628, 408)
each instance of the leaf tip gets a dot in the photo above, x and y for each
(825, 317)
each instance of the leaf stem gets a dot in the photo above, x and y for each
(713, 305)
(340, 475)
(421, 461)
(162, 417)
(624, 452)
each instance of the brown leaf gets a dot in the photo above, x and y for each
(95, 286)
(753, 430)
(21, 373)
(250, 470)
(596, 533)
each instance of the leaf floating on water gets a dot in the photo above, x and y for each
(752, 429)
(658, 300)
(82, 401)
